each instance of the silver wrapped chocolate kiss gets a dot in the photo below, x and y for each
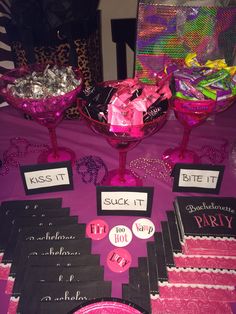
(53, 81)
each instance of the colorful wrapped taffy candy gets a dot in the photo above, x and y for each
(126, 103)
(212, 80)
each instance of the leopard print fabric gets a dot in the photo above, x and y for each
(19, 54)
(89, 62)
(90, 59)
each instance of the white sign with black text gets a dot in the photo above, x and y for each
(48, 177)
(197, 178)
(132, 201)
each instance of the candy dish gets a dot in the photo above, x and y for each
(42, 91)
(125, 134)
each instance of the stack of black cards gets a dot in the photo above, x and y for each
(207, 225)
(46, 258)
(137, 291)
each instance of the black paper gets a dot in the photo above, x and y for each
(206, 216)
(58, 307)
(174, 236)
(160, 257)
(9, 213)
(136, 296)
(59, 274)
(43, 233)
(47, 248)
(61, 292)
(142, 264)
(77, 260)
(51, 261)
(139, 279)
(35, 220)
(169, 258)
(152, 268)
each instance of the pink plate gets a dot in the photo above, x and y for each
(109, 306)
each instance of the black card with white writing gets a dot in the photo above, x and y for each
(18, 205)
(35, 221)
(169, 258)
(45, 221)
(197, 178)
(67, 307)
(11, 209)
(59, 232)
(50, 177)
(173, 230)
(76, 260)
(59, 274)
(61, 292)
(51, 261)
(139, 279)
(30, 204)
(58, 307)
(152, 269)
(160, 257)
(137, 296)
(47, 248)
(37, 230)
(206, 216)
(142, 263)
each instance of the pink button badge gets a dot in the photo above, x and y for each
(97, 229)
(119, 260)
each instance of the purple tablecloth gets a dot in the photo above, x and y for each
(216, 132)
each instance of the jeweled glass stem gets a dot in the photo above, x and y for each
(185, 140)
(53, 138)
(122, 165)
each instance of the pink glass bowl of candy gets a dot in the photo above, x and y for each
(43, 92)
(200, 90)
(223, 104)
(124, 112)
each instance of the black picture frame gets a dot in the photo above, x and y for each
(117, 212)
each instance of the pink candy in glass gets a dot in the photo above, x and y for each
(125, 136)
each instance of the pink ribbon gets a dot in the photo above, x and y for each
(165, 91)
